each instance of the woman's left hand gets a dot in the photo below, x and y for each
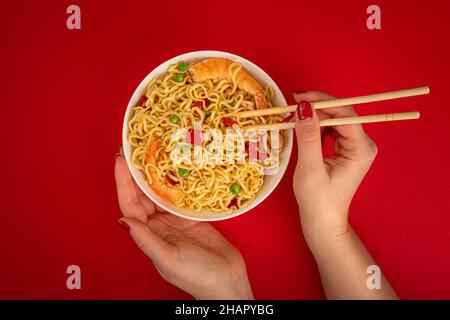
(191, 255)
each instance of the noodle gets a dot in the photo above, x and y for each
(207, 185)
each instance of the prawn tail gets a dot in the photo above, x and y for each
(167, 192)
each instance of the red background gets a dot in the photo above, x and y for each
(64, 94)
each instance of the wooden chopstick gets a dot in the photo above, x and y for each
(262, 112)
(371, 98)
(372, 118)
(341, 121)
(335, 102)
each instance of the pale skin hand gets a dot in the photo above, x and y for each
(191, 255)
(324, 189)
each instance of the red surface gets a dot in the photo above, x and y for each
(64, 94)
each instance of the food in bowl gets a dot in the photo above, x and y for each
(164, 135)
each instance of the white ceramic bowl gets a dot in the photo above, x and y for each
(270, 181)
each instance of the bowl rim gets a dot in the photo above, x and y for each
(287, 153)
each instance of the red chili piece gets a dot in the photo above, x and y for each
(227, 122)
(194, 137)
(142, 101)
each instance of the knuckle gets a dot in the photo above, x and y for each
(370, 151)
(318, 95)
(309, 136)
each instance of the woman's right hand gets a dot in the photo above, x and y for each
(324, 188)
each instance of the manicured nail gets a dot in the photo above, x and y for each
(120, 153)
(125, 226)
(304, 110)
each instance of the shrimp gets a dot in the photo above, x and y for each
(162, 188)
(218, 69)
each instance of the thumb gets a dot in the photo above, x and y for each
(153, 246)
(307, 129)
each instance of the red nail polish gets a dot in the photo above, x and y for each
(125, 226)
(304, 110)
(120, 152)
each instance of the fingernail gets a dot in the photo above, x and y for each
(120, 153)
(125, 226)
(304, 110)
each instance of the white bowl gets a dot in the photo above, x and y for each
(270, 181)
